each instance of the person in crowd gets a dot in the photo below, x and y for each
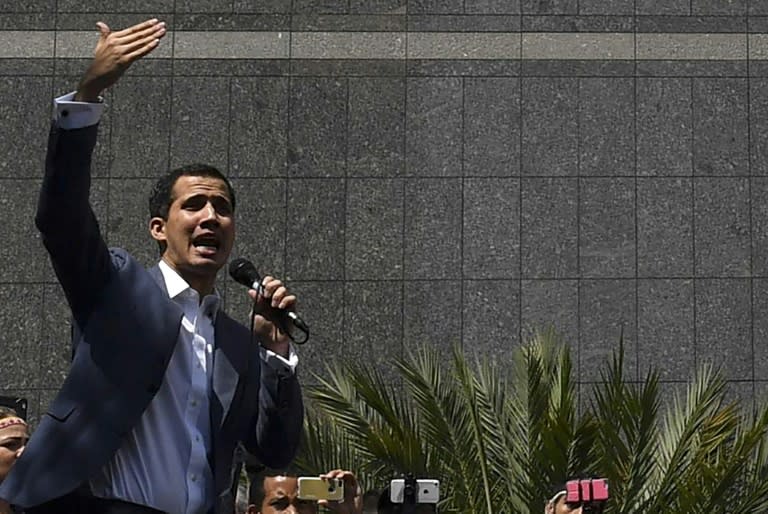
(557, 504)
(163, 384)
(14, 434)
(273, 492)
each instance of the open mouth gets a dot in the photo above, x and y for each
(207, 244)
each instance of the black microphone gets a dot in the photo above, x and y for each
(244, 272)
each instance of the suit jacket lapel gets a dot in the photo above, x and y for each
(230, 362)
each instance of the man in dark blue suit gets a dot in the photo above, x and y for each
(163, 384)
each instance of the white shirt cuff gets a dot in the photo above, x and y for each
(279, 363)
(72, 115)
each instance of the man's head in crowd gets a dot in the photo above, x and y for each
(14, 434)
(274, 492)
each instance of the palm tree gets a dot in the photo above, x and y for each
(498, 440)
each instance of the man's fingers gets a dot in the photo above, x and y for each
(103, 29)
(142, 51)
(137, 28)
(141, 37)
(287, 302)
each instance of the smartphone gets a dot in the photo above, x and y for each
(316, 488)
(15, 403)
(428, 491)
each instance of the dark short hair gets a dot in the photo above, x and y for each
(161, 197)
(256, 477)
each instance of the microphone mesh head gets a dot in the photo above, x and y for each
(244, 272)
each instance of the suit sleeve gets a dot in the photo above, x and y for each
(276, 431)
(70, 231)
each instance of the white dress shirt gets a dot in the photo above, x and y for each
(163, 462)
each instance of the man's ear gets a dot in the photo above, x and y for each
(251, 509)
(549, 508)
(157, 228)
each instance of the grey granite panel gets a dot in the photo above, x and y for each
(229, 67)
(348, 22)
(315, 243)
(376, 127)
(759, 192)
(348, 45)
(717, 47)
(721, 130)
(577, 68)
(463, 23)
(373, 324)
(436, 7)
(374, 233)
(46, 6)
(321, 305)
(550, 126)
(664, 126)
(378, 6)
(200, 134)
(318, 127)
(662, 7)
(470, 68)
(25, 108)
(231, 45)
(607, 310)
(758, 24)
(606, 126)
(591, 23)
(549, 6)
(491, 228)
(578, 46)
(141, 126)
(262, 6)
(550, 228)
(665, 328)
(722, 238)
(491, 127)
(664, 227)
(552, 303)
(463, 45)
(760, 330)
(86, 21)
(432, 315)
(757, 7)
(55, 346)
(492, 6)
(491, 320)
(432, 229)
(117, 6)
(26, 21)
(127, 221)
(24, 67)
(758, 68)
(320, 6)
(607, 227)
(723, 326)
(235, 22)
(348, 67)
(719, 7)
(261, 223)
(758, 46)
(592, 7)
(694, 24)
(758, 125)
(695, 68)
(198, 6)
(433, 124)
(23, 257)
(258, 126)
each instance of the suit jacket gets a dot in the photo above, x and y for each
(126, 328)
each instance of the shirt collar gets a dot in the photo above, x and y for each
(176, 286)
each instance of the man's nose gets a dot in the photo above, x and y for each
(209, 211)
(20, 451)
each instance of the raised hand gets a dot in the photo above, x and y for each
(270, 306)
(115, 52)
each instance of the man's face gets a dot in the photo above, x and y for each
(563, 507)
(281, 497)
(12, 442)
(200, 228)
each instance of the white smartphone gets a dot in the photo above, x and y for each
(428, 490)
(316, 488)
